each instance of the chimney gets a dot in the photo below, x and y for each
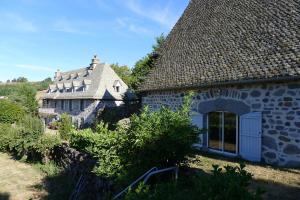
(95, 62)
(57, 74)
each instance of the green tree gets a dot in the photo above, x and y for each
(24, 94)
(43, 85)
(10, 112)
(22, 80)
(144, 65)
(123, 72)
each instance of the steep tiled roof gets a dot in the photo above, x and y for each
(98, 80)
(229, 41)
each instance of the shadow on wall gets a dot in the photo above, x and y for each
(4, 196)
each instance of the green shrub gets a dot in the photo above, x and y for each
(23, 94)
(83, 139)
(10, 112)
(7, 136)
(50, 168)
(112, 116)
(140, 193)
(31, 124)
(161, 139)
(229, 185)
(105, 145)
(65, 126)
(30, 129)
(45, 144)
(21, 137)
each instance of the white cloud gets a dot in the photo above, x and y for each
(161, 15)
(126, 23)
(16, 22)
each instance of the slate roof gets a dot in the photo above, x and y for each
(229, 41)
(98, 77)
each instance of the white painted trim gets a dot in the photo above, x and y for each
(236, 135)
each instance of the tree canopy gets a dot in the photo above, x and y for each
(144, 65)
(123, 71)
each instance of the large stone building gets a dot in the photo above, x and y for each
(81, 93)
(242, 58)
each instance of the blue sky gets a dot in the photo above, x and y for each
(37, 37)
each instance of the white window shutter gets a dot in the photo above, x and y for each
(197, 120)
(250, 136)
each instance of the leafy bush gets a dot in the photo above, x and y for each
(32, 125)
(7, 136)
(103, 144)
(112, 116)
(65, 126)
(27, 138)
(50, 168)
(29, 129)
(45, 144)
(229, 185)
(10, 112)
(27, 132)
(161, 139)
(24, 94)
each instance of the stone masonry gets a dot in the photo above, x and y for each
(91, 107)
(278, 102)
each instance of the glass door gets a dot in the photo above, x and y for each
(223, 132)
(215, 130)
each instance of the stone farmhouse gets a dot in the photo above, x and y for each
(81, 93)
(242, 60)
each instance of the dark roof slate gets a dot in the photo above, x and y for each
(229, 41)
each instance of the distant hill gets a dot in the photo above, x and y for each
(7, 89)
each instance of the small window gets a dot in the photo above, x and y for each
(70, 105)
(62, 106)
(117, 88)
(82, 105)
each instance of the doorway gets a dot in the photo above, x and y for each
(223, 128)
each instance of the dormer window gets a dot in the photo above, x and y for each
(117, 86)
(76, 76)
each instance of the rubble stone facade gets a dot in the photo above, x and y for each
(279, 104)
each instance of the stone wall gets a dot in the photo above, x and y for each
(278, 102)
(81, 118)
(78, 164)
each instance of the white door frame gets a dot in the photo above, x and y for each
(236, 135)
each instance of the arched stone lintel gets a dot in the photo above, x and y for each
(230, 105)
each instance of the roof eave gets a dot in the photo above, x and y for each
(216, 84)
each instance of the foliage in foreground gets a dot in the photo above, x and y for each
(65, 126)
(162, 139)
(26, 138)
(229, 185)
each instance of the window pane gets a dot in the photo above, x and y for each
(230, 132)
(215, 130)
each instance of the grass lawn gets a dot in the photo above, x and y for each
(279, 183)
(18, 180)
